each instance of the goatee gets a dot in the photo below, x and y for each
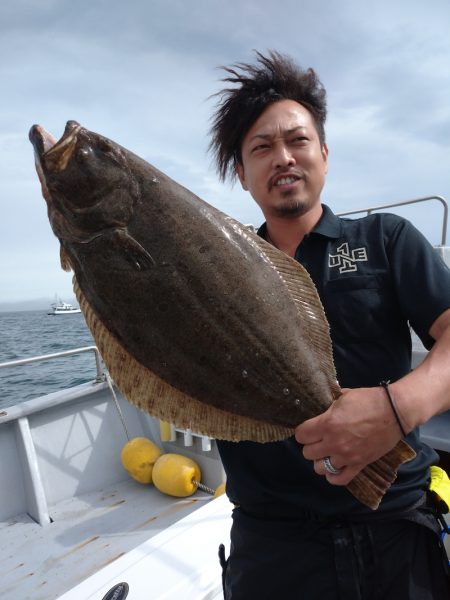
(291, 208)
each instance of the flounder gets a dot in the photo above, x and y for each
(200, 322)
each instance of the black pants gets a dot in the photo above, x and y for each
(383, 560)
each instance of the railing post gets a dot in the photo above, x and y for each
(37, 506)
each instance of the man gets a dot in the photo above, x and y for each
(297, 532)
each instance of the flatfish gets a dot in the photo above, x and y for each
(200, 322)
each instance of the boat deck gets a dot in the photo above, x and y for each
(179, 562)
(94, 530)
(67, 506)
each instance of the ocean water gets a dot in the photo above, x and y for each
(34, 333)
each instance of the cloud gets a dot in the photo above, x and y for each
(142, 73)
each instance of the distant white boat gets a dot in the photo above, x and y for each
(63, 308)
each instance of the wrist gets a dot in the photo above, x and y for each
(410, 411)
(393, 404)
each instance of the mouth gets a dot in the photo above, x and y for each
(284, 180)
(55, 154)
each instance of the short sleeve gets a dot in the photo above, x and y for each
(421, 277)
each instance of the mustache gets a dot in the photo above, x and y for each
(285, 173)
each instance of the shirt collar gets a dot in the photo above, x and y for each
(329, 225)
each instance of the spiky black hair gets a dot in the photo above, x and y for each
(274, 77)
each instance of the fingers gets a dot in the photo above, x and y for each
(345, 475)
(310, 431)
(354, 431)
(321, 469)
(357, 428)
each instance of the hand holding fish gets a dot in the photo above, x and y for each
(357, 429)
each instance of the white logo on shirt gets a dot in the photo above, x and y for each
(346, 260)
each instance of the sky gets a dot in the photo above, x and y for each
(142, 73)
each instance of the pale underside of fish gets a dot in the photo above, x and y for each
(200, 322)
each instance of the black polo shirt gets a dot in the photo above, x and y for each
(376, 276)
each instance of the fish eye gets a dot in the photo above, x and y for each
(84, 152)
(105, 145)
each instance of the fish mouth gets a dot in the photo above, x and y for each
(49, 152)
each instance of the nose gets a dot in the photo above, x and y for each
(282, 156)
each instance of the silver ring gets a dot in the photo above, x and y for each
(329, 467)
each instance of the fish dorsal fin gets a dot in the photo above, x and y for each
(304, 294)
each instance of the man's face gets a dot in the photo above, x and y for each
(283, 163)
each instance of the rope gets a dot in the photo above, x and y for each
(116, 402)
(204, 487)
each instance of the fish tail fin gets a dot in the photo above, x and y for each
(370, 485)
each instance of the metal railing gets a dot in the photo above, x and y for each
(26, 361)
(440, 199)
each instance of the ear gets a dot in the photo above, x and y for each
(324, 151)
(240, 173)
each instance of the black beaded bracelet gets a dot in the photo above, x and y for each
(385, 385)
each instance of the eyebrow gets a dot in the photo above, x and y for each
(268, 136)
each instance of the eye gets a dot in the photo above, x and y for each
(259, 148)
(299, 139)
(105, 145)
(84, 152)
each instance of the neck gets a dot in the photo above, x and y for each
(286, 234)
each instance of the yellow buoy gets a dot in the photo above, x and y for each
(138, 458)
(176, 475)
(220, 490)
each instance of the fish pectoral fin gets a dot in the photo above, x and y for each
(133, 252)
